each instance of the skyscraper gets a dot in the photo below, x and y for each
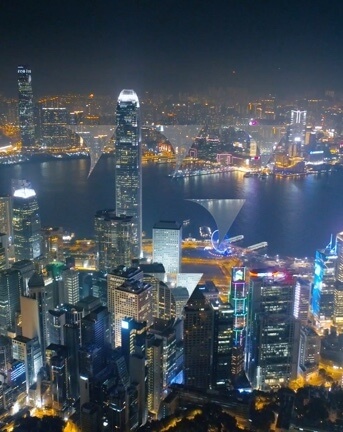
(238, 299)
(115, 279)
(26, 224)
(128, 168)
(323, 293)
(113, 236)
(167, 244)
(71, 286)
(53, 128)
(273, 331)
(11, 284)
(198, 337)
(6, 217)
(26, 114)
(132, 299)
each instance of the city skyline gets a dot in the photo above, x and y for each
(278, 47)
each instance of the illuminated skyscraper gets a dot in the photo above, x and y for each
(6, 217)
(273, 332)
(11, 285)
(71, 286)
(238, 299)
(339, 261)
(26, 115)
(53, 128)
(115, 279)
(128, 168)
(296, 129)
(26, 224)
(113, 236)
(323, 292)
(167, 244)
(133, 300)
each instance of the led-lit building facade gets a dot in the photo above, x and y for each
(339, 261)
(113, 236)
(239, 301)
(26, 225)
(323, 292)
(25, 104)
(167, 245)
(128, 168)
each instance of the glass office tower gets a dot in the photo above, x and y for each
(128, 168)
(25, 104)
(26, 225)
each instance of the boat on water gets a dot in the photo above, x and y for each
(205, 232)
(247, 174)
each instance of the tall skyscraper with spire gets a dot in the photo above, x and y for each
(25, 104)
(128, 168)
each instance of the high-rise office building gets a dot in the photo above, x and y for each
(222, 343)
(26, 112)
(71, 284)
(11, 285)
(128, 168)
(323, 292)
(35, 308)
(339, 261)
(309, 350)
(56, 361)
(133, 300)
(29, 351)
(26, 224)
(296, 132)
(4, 251)
(6, 217)
(113, 236)
(167, 245)
(239, 301)
(273, 331)
(115, 279)
(198, 336)
(54, 133)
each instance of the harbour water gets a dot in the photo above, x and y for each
(294, 215)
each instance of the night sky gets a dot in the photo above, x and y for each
(102, 46)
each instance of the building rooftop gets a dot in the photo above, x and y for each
(24, 193)
(170, 225)
(128, 96)
(134, 287)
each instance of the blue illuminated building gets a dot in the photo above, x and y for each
(323, 292)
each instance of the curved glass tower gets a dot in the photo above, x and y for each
(128, 168)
